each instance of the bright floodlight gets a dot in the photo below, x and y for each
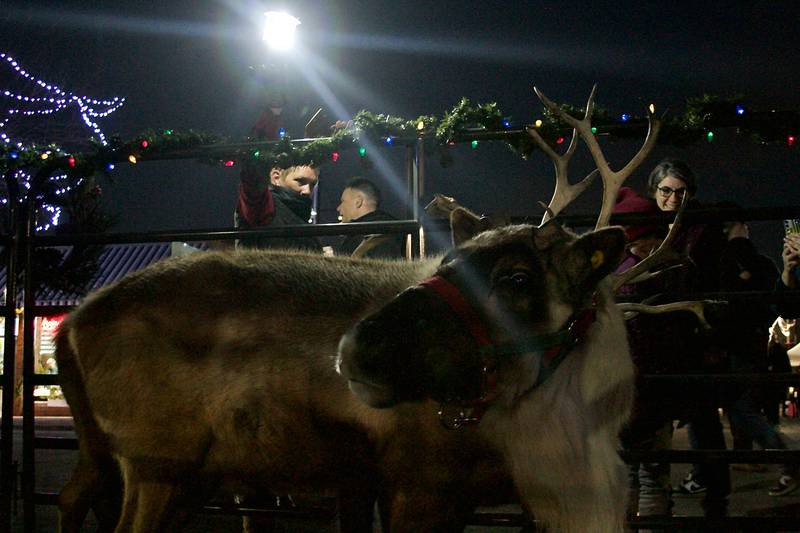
(279, 30)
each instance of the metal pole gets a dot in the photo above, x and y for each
(7, 470)
(28, 430)
(418, 192)
(409, 168)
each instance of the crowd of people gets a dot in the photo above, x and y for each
(721, 258)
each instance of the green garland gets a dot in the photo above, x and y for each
(463, 123)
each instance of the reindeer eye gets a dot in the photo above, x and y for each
(514, 282)
(521, 279)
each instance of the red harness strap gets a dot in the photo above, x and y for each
(553, 348)
(455, 300)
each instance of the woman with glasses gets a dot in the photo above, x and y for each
(678, 339)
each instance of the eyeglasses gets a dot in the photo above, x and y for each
(666, 192)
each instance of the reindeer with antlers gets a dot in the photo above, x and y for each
(516, 327)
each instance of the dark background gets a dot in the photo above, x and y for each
(184, 65)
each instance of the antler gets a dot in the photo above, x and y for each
(697, 307)
(565, 192)
(612, 181)
(665, 253)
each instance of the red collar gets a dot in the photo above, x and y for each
(552, 347)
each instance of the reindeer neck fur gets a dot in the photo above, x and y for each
(594, 387)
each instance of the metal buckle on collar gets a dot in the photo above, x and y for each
(454, 415)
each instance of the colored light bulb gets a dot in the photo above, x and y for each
(229, 163)
(594, 130)
(132, 159)
(506, 124)
(145, 144)
(45, 155)
(14, 154)
(389, 140)
(739, 109)
(110, 166)
(652, 108)
(335, 156)
(474, 144)
(362, 151)
(538, 123)
(625, 117)
(281, 133)
(71, 161)
(790, 140)
(710, 136)
(420, 125)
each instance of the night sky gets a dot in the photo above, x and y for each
(184, 64)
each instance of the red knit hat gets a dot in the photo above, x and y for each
(629, 201)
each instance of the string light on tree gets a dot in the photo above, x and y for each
(790, 140)
(739, 109)
(474, 144)
(625, 117)
(710, 136)
(90, 109)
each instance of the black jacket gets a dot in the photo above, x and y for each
(291, 209)
(394, 248)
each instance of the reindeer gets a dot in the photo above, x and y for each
(518, 330)
(221, 369)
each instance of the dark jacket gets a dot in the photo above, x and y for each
(676, 343)
(394, 248)
(260, 206)
(745, 323)
(786, 307)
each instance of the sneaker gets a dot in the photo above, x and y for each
(690, 485)
(749, 467)
(786, 484)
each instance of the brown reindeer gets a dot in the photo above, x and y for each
(217, 369)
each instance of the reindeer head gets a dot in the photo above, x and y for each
(495, 303)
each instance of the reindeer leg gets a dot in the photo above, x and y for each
(152, 499)
(92, 485)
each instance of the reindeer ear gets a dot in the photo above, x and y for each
(594, 256)
(464, 224)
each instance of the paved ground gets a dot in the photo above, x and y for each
(749, 493)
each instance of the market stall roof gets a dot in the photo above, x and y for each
(114, 262)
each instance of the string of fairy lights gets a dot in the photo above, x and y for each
(703, 118)
(54, 100)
